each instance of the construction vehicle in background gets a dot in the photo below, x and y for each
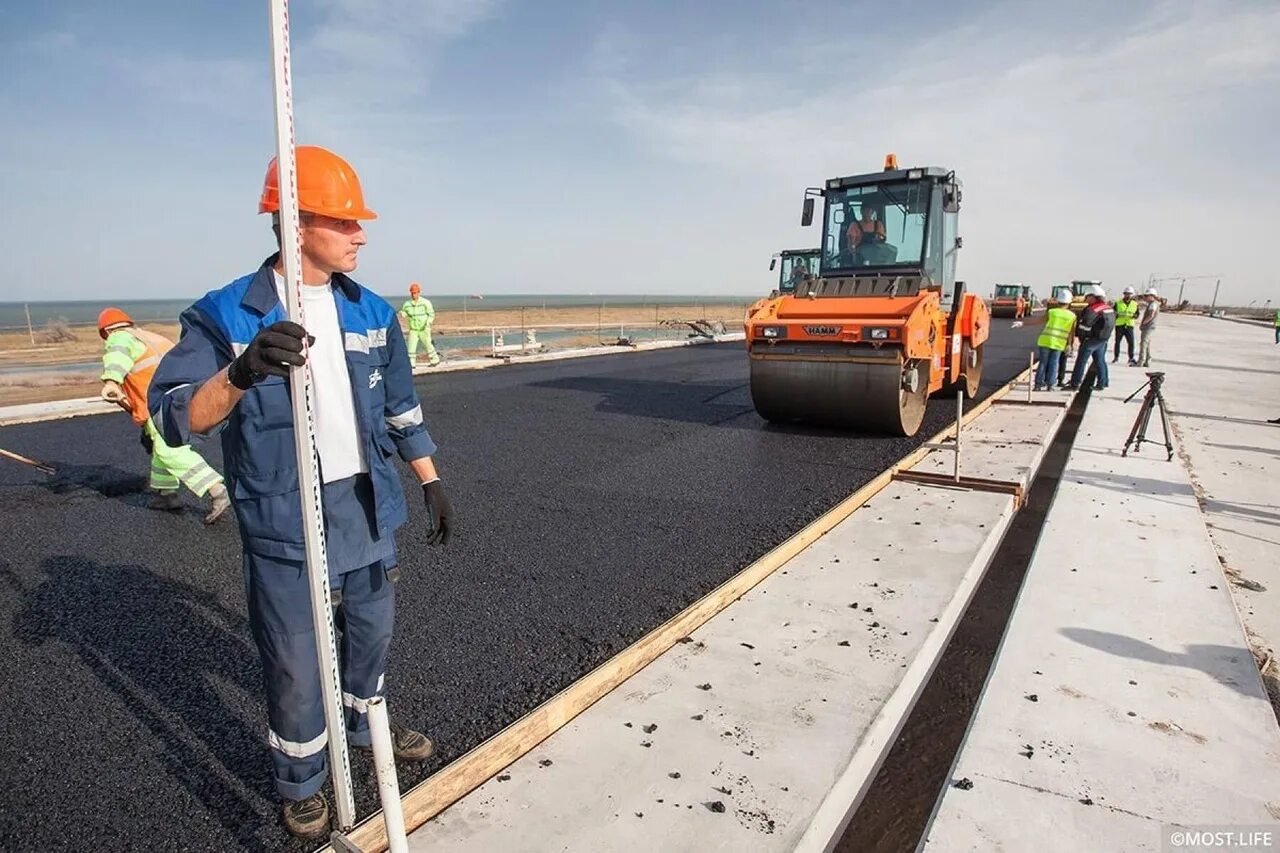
(1011, 300)
(1079, 289)
(798, 265)
(884, 324)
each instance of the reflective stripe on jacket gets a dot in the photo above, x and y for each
(1057, 329)
(419, 313)
(257, 437)
(130, 360)
(1126, 311)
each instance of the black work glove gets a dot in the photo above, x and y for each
(270, 353)
(145, 441)
(440, 512)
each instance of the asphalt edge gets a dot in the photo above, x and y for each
(466, 773)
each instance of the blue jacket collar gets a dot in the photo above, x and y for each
(261, 293)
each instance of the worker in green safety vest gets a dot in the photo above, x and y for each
(1059, 324)
(1127, 308)
(419, 314)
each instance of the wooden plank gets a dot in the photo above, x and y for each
(453, 782)
(976, 484)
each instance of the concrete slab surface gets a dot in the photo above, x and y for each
(760, 732)
(1124, 696)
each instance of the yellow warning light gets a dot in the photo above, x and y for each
(890, 162)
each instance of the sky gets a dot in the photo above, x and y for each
(643, 148)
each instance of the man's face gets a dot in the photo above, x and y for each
(331, 244)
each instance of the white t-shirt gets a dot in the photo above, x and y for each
(337, 432)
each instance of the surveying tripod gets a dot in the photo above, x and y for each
(1154, 398)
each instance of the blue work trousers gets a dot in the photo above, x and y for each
(1047, 368)
(1095, 351)
(279, 602)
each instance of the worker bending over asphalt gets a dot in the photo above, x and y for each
(231, 367)
(1093, 328)
(1127, 309)
(128, 365)
(1051, 346)
(1147, 325)
(419, 314)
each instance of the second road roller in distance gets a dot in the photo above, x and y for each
(884, 324)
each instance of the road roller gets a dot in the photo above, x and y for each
(797, 265)
(1010, 300)
(1079, 288)
(884, 324)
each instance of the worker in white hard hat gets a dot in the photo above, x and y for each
(1093, 329)
(1127, 308)
(1051, 346)
(1060, 297)
(1147, 325)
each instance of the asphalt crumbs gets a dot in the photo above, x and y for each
(596, 498)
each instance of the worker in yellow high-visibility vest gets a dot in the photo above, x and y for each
(128, 363)
(419, 314)
(1059, 323)
(1127, 308)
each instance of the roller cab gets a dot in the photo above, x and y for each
(884, 323)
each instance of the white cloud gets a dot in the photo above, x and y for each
(1077, 157)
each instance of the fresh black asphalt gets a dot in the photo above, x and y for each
(596, 497)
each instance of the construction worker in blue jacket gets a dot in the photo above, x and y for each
(231, 369)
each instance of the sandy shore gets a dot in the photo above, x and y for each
(595, 324)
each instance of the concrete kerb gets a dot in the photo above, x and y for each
(1123, 697)
(79, 407)
(453, 783)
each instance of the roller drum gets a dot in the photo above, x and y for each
(849, 395)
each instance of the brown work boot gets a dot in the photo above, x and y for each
(407, 744)
(307, 818)
(167, 500)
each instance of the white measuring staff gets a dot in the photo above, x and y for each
(305, 428)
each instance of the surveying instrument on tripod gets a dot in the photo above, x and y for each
(1154, 398)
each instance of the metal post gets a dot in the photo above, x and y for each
(1181, 287)
(384, 765)
(959, 424)
(1031, 374)
(302, 399)
(30, 331)
(1216, 285)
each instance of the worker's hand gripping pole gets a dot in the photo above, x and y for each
(300, 390)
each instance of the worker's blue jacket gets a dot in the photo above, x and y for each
(257, 441)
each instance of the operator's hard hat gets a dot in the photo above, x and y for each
(1151, 291)
(1096, 290)
(414, 288)
(111, 319)
(1062, 295)
(1129, 291)
(327, 185)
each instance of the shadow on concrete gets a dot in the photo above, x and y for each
(1212, 506)
(1234, 368)
(1246, 448)
(161, 648)
(1130, 485)
(1230, 666)
(1260, 421)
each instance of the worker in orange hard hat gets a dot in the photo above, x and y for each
(128, 364)
(232, 367)
(419, 314)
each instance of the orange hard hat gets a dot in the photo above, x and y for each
(327, 185)
(111, 319)
(415, 288)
